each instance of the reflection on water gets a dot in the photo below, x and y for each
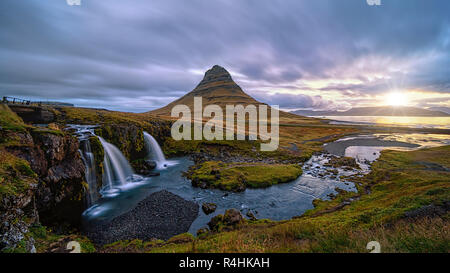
(364, 154)
(424, 140)
(416, 122)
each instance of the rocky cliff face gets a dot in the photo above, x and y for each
(17, 201)
(42, 175)
(55, 196)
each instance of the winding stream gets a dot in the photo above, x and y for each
(279, 202)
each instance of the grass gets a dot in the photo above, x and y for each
(238, 176)
(16, 176)
(399, 182)
(10, 120)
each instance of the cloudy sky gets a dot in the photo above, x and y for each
(138, 55)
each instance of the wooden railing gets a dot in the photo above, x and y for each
(17, 101)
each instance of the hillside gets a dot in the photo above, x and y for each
(402, 111)
(218, 87)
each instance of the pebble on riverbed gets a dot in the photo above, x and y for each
(161, 215)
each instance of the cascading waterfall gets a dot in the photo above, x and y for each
(153, 148)
(88, 158)
(155, 153)
(83, 133)
(117, 170)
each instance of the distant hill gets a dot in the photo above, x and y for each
(440, 109)
(404, 111)
(218, 87)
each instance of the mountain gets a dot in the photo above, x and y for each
(440, 109)
(218, 87)
(404, 111)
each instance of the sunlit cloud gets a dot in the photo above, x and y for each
(121, 54)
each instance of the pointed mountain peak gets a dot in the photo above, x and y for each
(216, 74)
(217, 87)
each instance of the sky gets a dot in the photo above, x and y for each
(139, 55)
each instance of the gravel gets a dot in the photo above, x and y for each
(160, 216)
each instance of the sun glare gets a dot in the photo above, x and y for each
(396, 99)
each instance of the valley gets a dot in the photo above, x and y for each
(118, 182)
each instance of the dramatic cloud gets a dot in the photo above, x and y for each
(139, 55)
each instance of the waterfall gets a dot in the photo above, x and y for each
(88, 159)
(154, 150)
(117, 170)
(83, 132)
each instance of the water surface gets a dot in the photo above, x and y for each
(415, 122)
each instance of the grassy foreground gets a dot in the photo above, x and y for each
(395, 206)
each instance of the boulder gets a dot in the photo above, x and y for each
(228, 221)
(251, 216)
(209, 208)
(232, 217)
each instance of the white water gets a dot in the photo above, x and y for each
(155, 152)
(88, 158)
(117, 170)
(83, 132)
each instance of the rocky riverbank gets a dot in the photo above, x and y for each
(159, 216)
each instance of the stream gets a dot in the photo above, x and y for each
(278, 202)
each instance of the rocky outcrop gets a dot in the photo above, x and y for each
(230, 220)
(17, 213)
(55, 159)
(33, 114)
(209, 208)
(144, 167)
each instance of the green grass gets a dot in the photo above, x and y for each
(9, 120)
(238, 176)
(16, 175)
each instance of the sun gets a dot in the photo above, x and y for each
(396, 99)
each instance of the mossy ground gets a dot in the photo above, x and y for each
(16, 175)
(9, 120)
(399, 182)
(45, 240)
(238, 176)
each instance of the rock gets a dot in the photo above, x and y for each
(215, 222)
(161, 215)
(230, 220)
(251, 216)
(209, 208)
(429, 211)
(202, 231)
(56, 195)
(33, 114)
(144, 167)
(232, 217)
